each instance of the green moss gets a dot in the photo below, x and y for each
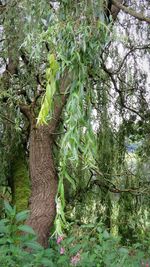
(21, 184)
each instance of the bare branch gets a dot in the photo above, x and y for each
(109, 185)
(138, 15)
(128, 53)
(119, 91)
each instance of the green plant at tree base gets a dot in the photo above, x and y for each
(18, 246)
(95, 247)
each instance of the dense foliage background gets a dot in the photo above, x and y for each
(101, 146)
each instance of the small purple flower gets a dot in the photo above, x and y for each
(147, 265)
(62, 251)
(59, 239)
(75, 259)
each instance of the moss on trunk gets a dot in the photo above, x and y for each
(21, 184)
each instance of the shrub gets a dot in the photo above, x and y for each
(95, 247)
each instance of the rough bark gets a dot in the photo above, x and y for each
(43, 182)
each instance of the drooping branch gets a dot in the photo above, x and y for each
(138, 15)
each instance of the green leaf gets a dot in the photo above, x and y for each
(70, 240)
(21, 216)
(106, 234)
(67, 176)
(76, 248)
(62, 195)
(26, 228)
(3, 227)
(53, 64)
(9, 210)
(123, 250)
(47, 103)
(3, 241)
(90, 225)
(47, 262)
(33, 245)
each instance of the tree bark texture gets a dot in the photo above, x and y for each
(43, 182)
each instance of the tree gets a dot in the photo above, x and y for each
(75, 36)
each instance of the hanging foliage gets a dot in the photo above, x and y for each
(47, 102)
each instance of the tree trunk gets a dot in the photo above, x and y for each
(43, 173)
(43, 182)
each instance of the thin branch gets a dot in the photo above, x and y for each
(119, 91)
(125, 57)
(113, 188)
(138, 15)
(7, 119)
(2, 40)
(59, 133)
(2, 196)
